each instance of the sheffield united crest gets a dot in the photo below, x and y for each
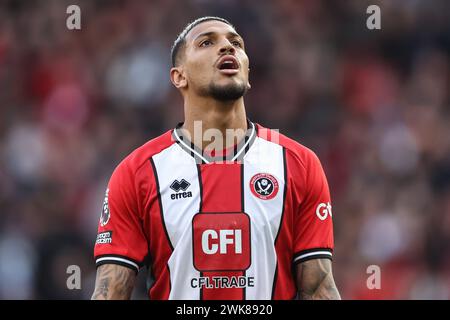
(264, 186)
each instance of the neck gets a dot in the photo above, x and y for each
(214, 124)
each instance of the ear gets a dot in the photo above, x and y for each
(178, 78)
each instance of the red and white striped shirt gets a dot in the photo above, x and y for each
(214, 229)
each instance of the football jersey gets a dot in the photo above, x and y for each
(232, 226)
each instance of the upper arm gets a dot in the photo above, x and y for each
(121, 235)
(315, 280)
(121, 247)
(313, 225)
(114, 282)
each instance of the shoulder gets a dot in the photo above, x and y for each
(141, 156)
(296, 152)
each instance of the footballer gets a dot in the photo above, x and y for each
(251, 219)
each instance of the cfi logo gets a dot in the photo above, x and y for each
(264, 186)
(104, 218)
(323, 210)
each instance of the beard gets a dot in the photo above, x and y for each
(229, 92)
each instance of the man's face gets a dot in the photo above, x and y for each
(214, 62)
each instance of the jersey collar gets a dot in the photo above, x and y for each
(238, 153)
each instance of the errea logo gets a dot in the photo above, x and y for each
(182, 186)
(322, 211)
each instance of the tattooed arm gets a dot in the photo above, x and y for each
(315, 280)
(114, 282)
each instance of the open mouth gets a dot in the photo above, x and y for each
(228, 64)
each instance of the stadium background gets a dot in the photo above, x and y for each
(374, 105)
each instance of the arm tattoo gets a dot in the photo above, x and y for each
(113, 282)
(315, 280)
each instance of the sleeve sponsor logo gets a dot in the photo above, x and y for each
(104, 238)
(104, 218)
(323, 210)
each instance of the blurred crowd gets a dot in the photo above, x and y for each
(373, 104)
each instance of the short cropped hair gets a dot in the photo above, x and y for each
(180, 41)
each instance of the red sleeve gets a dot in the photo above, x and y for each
(313, 222)
(121, 239)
